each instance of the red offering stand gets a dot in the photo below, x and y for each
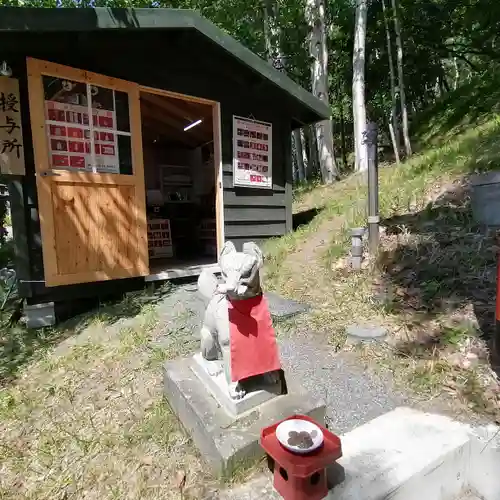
(300, 477)
(496, 338)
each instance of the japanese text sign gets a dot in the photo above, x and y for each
(252, 147)
(11, 132)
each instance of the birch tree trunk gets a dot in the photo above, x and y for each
(315, 17)
(310, 142)
(305, 160)
(358, 86)
(456, 78)
(343, 146)
(394, 143)
(299, 152)
(402, 95)
(394, 98)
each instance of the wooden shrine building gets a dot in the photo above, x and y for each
(136, 142)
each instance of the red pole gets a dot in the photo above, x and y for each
(496, 338)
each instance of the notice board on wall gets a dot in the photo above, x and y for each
(11, 132)
(71, 144)
(252, 153)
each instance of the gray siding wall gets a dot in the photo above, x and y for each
(252, 214)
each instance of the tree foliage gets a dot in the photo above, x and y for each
(446, 43)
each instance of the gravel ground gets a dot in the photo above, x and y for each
(353, 395)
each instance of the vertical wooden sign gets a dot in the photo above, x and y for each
(11, 132)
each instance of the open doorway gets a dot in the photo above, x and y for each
(180, 180)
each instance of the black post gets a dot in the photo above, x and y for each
(357, 247)
(370, 138)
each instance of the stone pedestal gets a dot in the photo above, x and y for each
(227, 432)
(218, 388)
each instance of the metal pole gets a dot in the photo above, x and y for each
(370, 138)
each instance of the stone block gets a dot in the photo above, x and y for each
(283, 308)
(404, 455)
(218, 388)
(365, 333)
(226, 441)
(40, 315)
(485, 198)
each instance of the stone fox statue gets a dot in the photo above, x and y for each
(237, 327)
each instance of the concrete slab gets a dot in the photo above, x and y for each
(484, 470)
(357, 333)
(282, 308)
(218, 388)
(469, 496)
(225, 441)
(407, 455)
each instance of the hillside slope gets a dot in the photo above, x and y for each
(433, 284)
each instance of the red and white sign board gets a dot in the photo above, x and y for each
(70, 143)
(252, 147)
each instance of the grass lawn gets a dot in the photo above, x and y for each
(87, 419)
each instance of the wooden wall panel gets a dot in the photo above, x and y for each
(97, 232)
(255, 214)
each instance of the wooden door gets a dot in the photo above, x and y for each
(89, 174)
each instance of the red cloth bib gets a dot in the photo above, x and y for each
(254, 350)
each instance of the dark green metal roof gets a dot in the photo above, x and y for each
(84, 20)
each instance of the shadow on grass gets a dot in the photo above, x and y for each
(20, 345)
(306, 217)
(442, 259)
(469, 105)
(442, 262)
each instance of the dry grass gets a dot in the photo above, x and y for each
(87, 420)
(434, 275)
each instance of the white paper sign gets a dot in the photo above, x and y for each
(11, 131)
(252, 149)
(70, 144)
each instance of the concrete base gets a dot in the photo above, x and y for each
(218, 388)
(406, 455)
(226, 441)
(409, 455)
(40, 315)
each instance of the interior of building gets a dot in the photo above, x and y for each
(179, 169)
